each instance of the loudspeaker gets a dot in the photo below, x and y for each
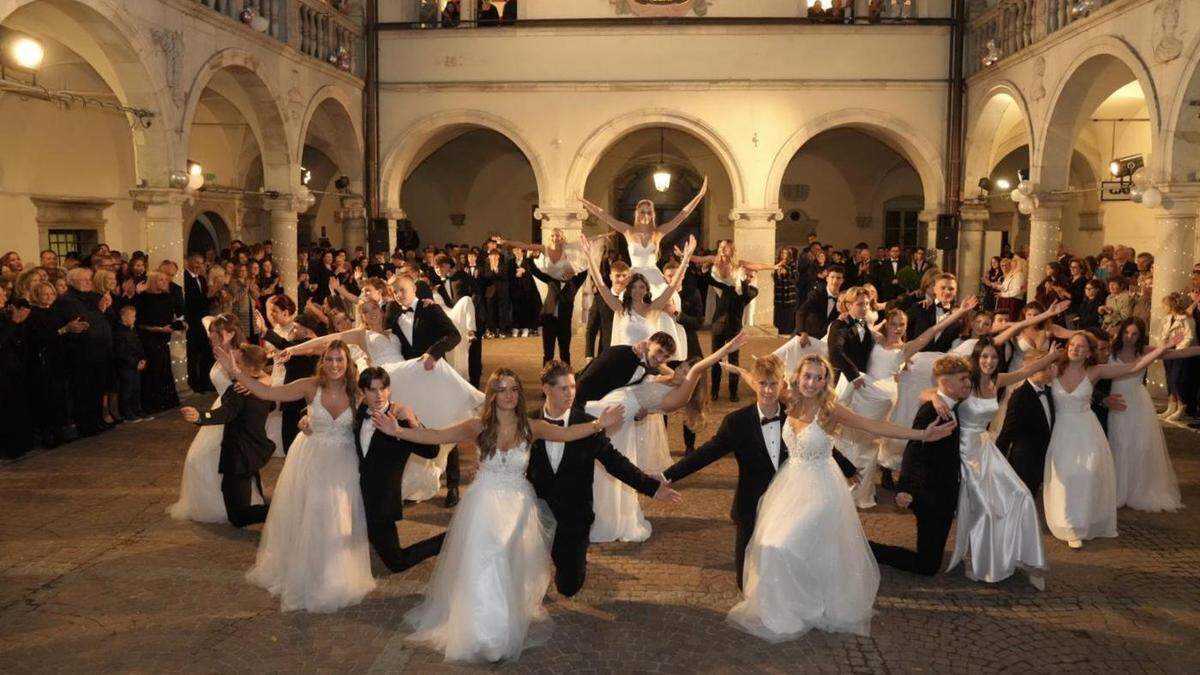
(947, 231)
(377, 236)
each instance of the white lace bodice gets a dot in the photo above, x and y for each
(220, 380)
(884, 363)
(635, 328)
(506, 466)
(1078, 401)
(325, 424)
(642, 257)
(383, 347)
(975, 413)
(812, 444)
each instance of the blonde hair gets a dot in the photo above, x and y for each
(767, 366)
(851, 296)
(104, 281)
(826, 400)
(951, 365)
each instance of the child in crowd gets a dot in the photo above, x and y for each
(1118, 306)
(130, 361)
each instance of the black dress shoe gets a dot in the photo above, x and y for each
(886, 481)
(451, 498)
(734, 398)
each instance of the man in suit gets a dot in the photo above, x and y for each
(1027, 426)
(562, 474)
(727, 323)
(382, 457)
(600, 316)
(929, 477)
(494, 280)
(923, 315)
(425, 333)
(820, 307)
(196, 305)
(557, 309)
(620, 365)
(850, 340)
(754, 435)
(245, 448)
(887, 276)
(288, 330)
(453, 286)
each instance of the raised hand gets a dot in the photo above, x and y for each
(190, 414)
(386, 423)
(1060, 307)
(611, 415)
(970, 303)
(936, 432)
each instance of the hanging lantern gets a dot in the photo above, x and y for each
(662, 177)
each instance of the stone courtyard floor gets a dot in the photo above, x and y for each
(94, 577)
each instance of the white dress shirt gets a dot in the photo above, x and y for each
(772, 434)
(554, 450)
(1045, 403)
(368, 430)
(405, 322)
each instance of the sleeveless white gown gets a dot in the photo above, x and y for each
(314, 553)
(618, 512)
(484, 601)
(874, 400)
(200, 497)
(996, 525)
(462, 315)
(808, 564)
(643, 260)
(791, 352)
(1080, 491)
(439, 397)
(1145, 477)
(652, 453)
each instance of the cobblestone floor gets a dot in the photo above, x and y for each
(94, 577)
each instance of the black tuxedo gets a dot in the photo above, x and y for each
(741, 434)
(245, 449)
(848, 353)
(199, 351)
(381, 467)
(599, 328)
(496, 296)
(433, 332)
(691, 317)
(930, 473)
(887, 279)
(1026, 434)
(612, 369)
(726, 324)
(920, 319)
(568, 493)
(557, 309)
(816, 312)
(458, 286)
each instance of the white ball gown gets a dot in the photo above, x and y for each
(484, 601)
(439, 397)
(791, 352)
(618, 512)
(808, 564)
(462, 315)
(1080, 491)
(643, 260)
(314, 553)
(916, 377)
(1145, 477)
(873, 400)
(996, 525)
(200, 497)
(652, 453)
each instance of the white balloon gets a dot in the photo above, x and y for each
(1141, 178)
(1025, 187)
(1016, 195)
(1152, 198)
(1135, 194)
(1025, 206)
(195, 181)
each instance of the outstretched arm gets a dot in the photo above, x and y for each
(354, 336)
(930, 433)
(1109, 371)
(686, 211)
(520, 244)
(664, 298)
(303, 388)
(1017, 326)
(1009, 379)
(464, 431)
(679, 396)
(575, 432)
(604, 291)
(604, 218)
(918, 343)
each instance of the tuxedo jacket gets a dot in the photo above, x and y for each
(433, 332)
(599, 323)
(930, 471)
(494, 282)
(730, 306)
(560, 295)
(886, 279)
(195, 297)
(847, 352)
(568, 491)
(1026, 432)
(459, 285)
(245, 447)
(297, 366)
(920, 319)
(610, 370)
(815, 313)
(691, 317)
(381, 467)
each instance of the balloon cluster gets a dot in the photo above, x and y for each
(1023, 196)
(1143, 191)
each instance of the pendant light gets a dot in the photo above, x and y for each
(662, 177)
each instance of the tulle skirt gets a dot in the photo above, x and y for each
(997, 527)
(874, 400)
(314, 553)
(1145, 477)
(200, 497)
(808, 564)
(1080, 490)
(618, 512)
(484, 601)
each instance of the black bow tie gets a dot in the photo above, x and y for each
(1044, 391)
(557, 423)
(857, 322)
(777, 418)
(945, 308)
(405, 310)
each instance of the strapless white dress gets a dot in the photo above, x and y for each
(808, 564)
(874, 400)
(314, 552)
(1080, 490)
(1145, 477)
(484, 601)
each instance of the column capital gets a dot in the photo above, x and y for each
(1178, 199)
(393, 214)
(144, 198)
(974, 215)
(568, 213)
(928, 215)
(352, 208)
(1049, 205)
(742, 213)
(285, 203)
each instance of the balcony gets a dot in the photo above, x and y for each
(330, 32)
(1009, 26)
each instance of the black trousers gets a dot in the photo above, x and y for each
(237, 490)
(453, 471)
(740, 541)
(569, 553)
(498, 312)
(933, 527)
(381, 532)
(199, 356)
(291, 413)
(555, 330)
(718, 340)
(689, 438)
(87, 384)
(475, 360)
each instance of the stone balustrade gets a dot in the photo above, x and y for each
(1006, 27)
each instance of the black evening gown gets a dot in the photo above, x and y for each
(16, 423)
(158, 383)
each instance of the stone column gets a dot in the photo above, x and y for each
(970, 248)
(1045, 233)
(570, 222)
(163, 227)
(928, 219)
(754, 241)
(1174, 245)
(284, 213)
(353, 217)
(393, 216)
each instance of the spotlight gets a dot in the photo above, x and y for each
(1125, 167)
(985, 184)
(195, 176)
(27, 53)
(305, 176)
(1003, 184)
(342, 183)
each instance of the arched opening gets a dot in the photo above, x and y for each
(331, 154)
(466, 183)
(623, 174)
(851, 187)
(208, 234)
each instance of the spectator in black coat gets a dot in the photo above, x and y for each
(87, 345)
(129, 360)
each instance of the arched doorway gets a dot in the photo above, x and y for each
(208, 234)
(332, 163)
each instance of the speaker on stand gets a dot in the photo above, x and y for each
(947, 239)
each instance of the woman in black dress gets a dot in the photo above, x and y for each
(154, 318)
(16, 427)
(786, 298)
